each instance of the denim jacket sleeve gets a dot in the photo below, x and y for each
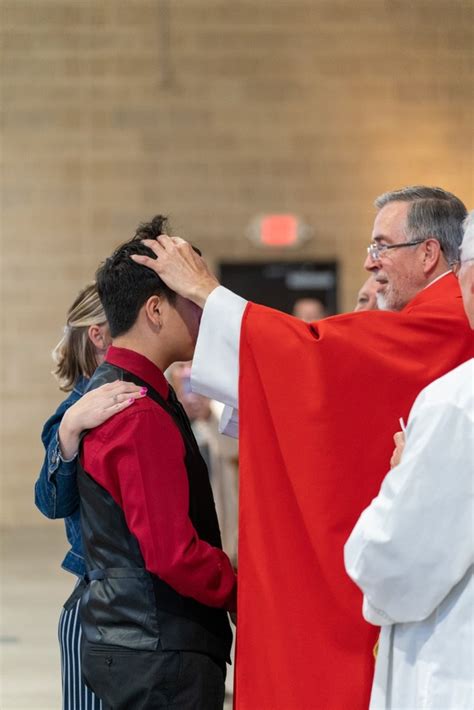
(56, 494)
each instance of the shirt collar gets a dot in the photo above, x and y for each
(140, 366)
(438, 278)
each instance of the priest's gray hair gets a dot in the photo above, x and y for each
(434, 212)
(467, 247)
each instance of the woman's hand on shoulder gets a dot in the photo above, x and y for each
(95, 408)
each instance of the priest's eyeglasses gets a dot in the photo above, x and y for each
(375, 251)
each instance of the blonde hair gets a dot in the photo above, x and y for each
(75, 354)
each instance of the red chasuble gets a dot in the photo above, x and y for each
(319, 404)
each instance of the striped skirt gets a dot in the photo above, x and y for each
(76, 695)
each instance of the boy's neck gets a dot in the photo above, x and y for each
(143, 347)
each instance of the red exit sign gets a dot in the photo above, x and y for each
(278, 230)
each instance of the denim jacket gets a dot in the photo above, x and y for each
(56, 493)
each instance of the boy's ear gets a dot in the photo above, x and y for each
(154, 311)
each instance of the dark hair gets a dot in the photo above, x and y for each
(125, 286)
(433, 212)
(151, 230)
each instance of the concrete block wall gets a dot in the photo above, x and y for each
(211, 111)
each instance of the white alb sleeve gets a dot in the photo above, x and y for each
(215, 370)
(229, 422)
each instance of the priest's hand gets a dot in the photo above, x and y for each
(180, 267)
(399, 441)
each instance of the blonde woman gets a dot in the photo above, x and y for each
(80, 351)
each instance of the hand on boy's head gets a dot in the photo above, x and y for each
(179, 265)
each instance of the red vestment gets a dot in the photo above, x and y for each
(319, 404)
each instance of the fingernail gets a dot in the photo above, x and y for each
(131, 400)
(144, 390)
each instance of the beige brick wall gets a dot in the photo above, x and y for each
(211, 111)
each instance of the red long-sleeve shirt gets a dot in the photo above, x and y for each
(138, 457)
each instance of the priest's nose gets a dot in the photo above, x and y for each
(371, 265)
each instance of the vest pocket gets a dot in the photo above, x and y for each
(118, 608)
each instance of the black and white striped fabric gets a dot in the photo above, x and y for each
(76, 695)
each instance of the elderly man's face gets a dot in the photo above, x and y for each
(466, 282)
(367, 296)
(398, 272)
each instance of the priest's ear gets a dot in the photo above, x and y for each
(432, 254)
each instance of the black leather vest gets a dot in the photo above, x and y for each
(124, 604)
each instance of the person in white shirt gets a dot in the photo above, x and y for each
(412, 550)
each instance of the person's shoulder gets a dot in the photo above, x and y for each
(456, 387)
(131, 420)
(80, 387)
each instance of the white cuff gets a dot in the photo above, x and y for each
(215, 370)
(229, 422)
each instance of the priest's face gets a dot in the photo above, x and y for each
(398, 272)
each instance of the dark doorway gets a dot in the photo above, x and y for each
(279, 284)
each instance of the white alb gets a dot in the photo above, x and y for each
(412, 553)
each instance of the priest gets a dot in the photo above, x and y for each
(318, 404)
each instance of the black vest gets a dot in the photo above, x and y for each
(124, 604)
